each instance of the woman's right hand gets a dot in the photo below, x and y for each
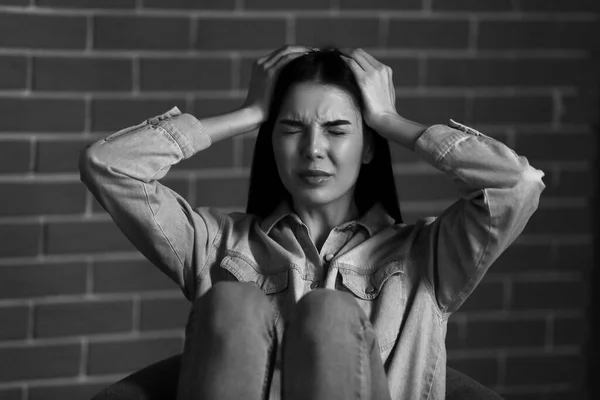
(263, 76)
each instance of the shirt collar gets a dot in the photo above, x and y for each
(373, 220)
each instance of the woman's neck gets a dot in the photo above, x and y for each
(320, 220)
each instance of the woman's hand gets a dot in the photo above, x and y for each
(264, 73)
(375, 81)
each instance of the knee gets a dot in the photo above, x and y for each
(326, 309)
(231, 302)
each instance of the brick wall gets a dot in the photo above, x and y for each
(80, 308)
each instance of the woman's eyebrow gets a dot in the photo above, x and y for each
(336, 122)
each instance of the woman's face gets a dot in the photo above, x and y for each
(319, 144)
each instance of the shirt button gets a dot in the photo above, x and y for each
(328, 257)
(314, 285)
(371, 289)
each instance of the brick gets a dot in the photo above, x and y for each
(221, 192)
(582, 108)
(574, 257)
(428, 33)
(185, 74)
(270, 5)
(523, 258)
(65, 392)
(42, 115)
(402, 155)
(240, 33)
(405, 70)
(380, 4)
(120, 4)
(179, 185)
(39, 361)
(574, 184)
(211, 107)
(341, 32)
(130, 355)
(44, 31)
(544, 369)
(471, 5)
(14, 321)
(553, 295)
(20, 240)
(48, 279)
(513, 109)
(544, 146)
(483, 370)
(435, 186)
(522, 72)
(432, 110)
(558, 6)
(570, 331)
(59, 156)
(42, 198)
(144, 33)
(14, 393)
(218, 155)
(129, 276)
(13, 72)
(487, 296)
(82, 74)
(566, 220)
(506, 334)
(164, 314)
(83, 318)
(76, 238)
(15, 156)
(453, 337)
(536, 34)
(113, 115)
(15, 2)
(191, 4)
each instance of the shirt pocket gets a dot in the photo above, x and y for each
(381, 295)
(273, 284)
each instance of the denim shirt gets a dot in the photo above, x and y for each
(408, 278)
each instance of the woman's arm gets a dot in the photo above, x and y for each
(122, 172)
(123, 169)
(499, 189)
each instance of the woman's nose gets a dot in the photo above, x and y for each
(314, 144)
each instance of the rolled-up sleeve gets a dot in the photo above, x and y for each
(499, 193)
(122, 172)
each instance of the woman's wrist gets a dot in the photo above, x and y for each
(399, 130)
(233, 123)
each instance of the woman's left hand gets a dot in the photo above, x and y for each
(375, 81)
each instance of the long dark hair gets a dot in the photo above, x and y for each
(375, 181)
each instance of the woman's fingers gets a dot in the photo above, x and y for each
(284, 60)
(354, 66)
(284, 51)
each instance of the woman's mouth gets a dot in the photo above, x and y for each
(315, 177)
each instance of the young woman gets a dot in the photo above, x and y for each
(319, 290)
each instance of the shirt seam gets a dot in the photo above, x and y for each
(161, 229)
(478, 264)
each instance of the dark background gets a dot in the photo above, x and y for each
(79, 306)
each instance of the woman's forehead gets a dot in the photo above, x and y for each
(320, 103)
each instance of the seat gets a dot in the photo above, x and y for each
(158, 381)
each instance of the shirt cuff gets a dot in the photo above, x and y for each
(438, 140)
(187, 130)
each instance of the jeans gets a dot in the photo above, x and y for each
(329, 350)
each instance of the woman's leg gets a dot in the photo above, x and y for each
(230, 340)
(330, 351)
